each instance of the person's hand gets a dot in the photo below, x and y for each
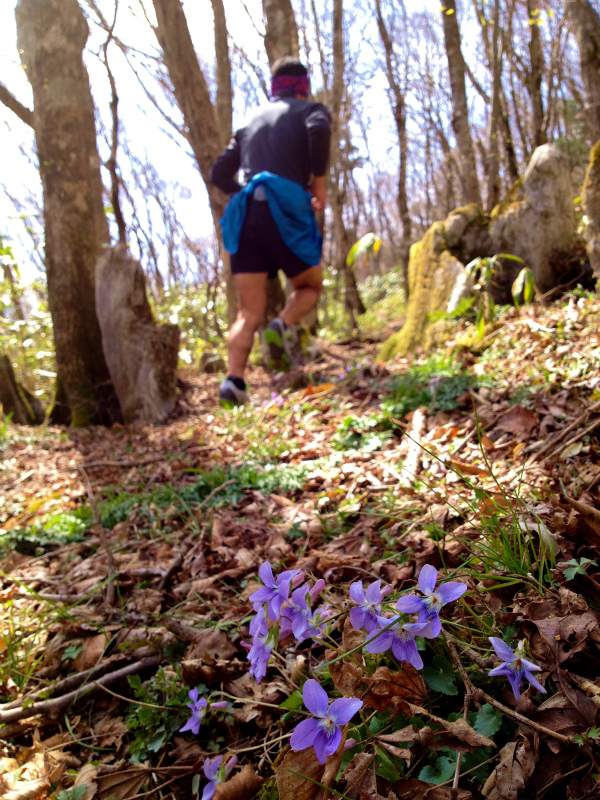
(319, 195)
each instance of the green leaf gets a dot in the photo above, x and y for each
(368, 242)
(441, 677)
(196, 784)
(488, 721)
(481, 326)
(443, 771)
(272, 337)
(72, 651)
(293, 701)
(524, 283)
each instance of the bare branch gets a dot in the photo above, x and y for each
(10, 101)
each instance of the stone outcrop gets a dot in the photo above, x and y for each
(537, 221)
(24, 408)
(591, 205)
(141, 354)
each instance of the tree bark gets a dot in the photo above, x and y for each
(205, 130)
(224, 89)
(399, 110)
(585, 24)
(536, 75)
(460, 111)
(281, 36)
(51, 38)
(352, 300)
(493, 156)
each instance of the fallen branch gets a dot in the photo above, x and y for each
(52, 707)
(175, 565)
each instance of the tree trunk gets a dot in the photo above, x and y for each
(281, 35)
(399, 110)
(493, 157)
(51, 38)
(23, 407)
(536, 75)
(460, 111)
(585, 24)
(224, 89)
(205, 130)
(352, 300)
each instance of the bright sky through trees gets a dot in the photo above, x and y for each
(148, 134)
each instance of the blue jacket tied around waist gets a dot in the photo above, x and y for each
(290, 207)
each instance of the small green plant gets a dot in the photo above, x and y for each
(155, 723)
(74, 793)
(58, 529)
(578, 567)
(365, 433)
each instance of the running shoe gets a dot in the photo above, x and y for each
(230, 396)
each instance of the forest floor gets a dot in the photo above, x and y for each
(129, 556)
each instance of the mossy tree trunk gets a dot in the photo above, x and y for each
(51, 38)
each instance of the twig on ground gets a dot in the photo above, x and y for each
(553, 441)
(172, 569)
(478, 695)
(52, 707)
(112, 567)
(412, 462)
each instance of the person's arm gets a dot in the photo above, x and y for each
(224, 170)
(318, 126)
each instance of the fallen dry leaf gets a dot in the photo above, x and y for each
(93, 648)
(298, 775)
(517, 762)
(359, 777)
(519, 421)
(242, 786)
(389, 688)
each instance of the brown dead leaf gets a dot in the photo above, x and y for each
(461, 729)
(561, 637)
(292, 774)
(360, 778)
(469, 469)
(120, 781)
(518, 421)
(93, 648)
(242, 786)
(413, 789)
(517, 763)
(211, 642)
(110, 731)
(87, 777)
(23, 790)
(348, 674)
(389, 689)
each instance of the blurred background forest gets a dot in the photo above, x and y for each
(435, 105)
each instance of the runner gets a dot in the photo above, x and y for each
(269, 224)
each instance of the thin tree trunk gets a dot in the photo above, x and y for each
(204, 131)
(352, 300)
(399, 110)
(460, 111)
(224, 88)
(585, 24)
(51, 38)
(493, 158)
(536, 75)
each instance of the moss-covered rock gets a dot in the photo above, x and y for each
(590, 196)
(432, 273)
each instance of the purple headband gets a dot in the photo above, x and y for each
(285, 85)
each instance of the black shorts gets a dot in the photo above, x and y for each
(261, 247)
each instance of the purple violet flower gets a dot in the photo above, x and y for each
(275, 591)
(323, 733)
(198, 709)
(216, 774)
(258, 623)
(400, 638)
(514, 667)
(429, 606)
(259, 654)
(296, 616)
(368, 605)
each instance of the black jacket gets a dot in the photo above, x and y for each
(289, 137)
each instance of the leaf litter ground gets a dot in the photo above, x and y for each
(129, 556)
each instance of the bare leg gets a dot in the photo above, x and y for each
(307, 288)
(252, 295)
